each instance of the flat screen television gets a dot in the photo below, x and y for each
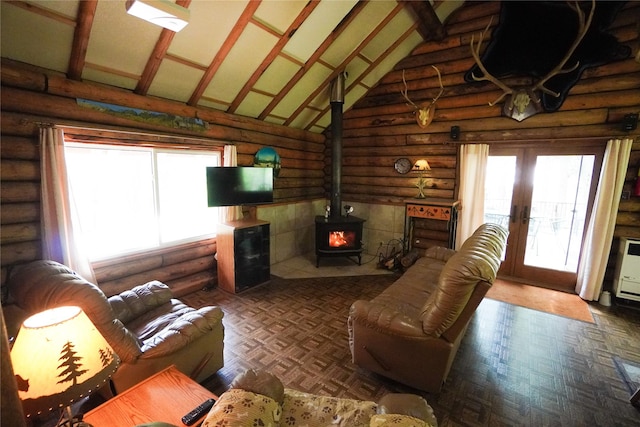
(231, 186)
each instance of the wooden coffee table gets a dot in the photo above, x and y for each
(166, 396)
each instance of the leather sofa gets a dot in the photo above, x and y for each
(146, 327)
(258, 398)
(411, 332)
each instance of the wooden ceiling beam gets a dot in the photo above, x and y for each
(429, 25)
(327, 82)
(313, 59)
(358, 80)
(226, 47)
(157, 56)
(42, 12)
(277, 49)
(86, 13)
(82, 29)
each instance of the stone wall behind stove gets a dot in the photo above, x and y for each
(293, 226)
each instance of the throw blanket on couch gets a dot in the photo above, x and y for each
(258, 398)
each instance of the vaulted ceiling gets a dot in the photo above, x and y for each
(272, 60)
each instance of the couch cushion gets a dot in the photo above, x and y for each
(477, 260)
(397, 420)
(172, 326)
(132, 303)
(154, 321)
(260, 382)
(408, 294)
(310, 410)
(407, 404)
(240, 408)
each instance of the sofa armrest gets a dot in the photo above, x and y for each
(382, 317)
(180, 333)
(407, 404)
(130, 304)
(439, 253)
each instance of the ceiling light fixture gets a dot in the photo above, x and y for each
(160, 12)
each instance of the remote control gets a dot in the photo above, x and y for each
(198, 412)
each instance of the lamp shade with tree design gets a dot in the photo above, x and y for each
(58, 358)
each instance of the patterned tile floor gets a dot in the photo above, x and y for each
(515, 367)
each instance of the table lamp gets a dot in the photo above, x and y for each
(58, 358)
(421, 166)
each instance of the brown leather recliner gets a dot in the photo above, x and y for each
(146, 327)
(413, 329)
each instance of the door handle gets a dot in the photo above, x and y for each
(525, 215)
(514, 212)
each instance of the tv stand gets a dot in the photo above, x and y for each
(243, 255)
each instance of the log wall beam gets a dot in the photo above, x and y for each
(31, 97)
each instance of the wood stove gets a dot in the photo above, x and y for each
(339, 237)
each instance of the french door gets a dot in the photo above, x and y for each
(543, 195)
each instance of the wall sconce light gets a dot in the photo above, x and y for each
(421, 166)
(160, 12)
(58, 358)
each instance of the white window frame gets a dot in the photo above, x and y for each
(155, 151)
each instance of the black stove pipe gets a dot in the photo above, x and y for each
(337, 101)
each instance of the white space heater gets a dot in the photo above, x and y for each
(626, 282)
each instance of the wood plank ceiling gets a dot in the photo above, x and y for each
(272, 60)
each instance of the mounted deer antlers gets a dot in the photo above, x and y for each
(424, 115)
(521, 97)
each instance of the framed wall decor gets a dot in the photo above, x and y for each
(267, 157)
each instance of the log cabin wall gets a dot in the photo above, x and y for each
(31, 96)
(381, 128)
(377, 131)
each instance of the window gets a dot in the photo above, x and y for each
(130, 198)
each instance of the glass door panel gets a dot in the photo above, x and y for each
(558, 211)
(499, 181)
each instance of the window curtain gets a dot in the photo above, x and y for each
(230, 158)
(599, 234)
(59, 224)
(473, 164)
